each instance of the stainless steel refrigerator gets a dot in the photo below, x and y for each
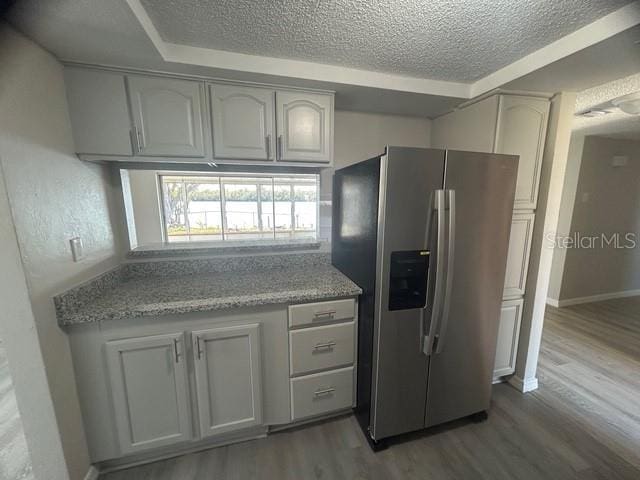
(425, 234)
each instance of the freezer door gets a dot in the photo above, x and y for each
(479, 192)
(409, 177)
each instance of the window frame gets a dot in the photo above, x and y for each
(242, 175)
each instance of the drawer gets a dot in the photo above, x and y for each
(321, 393)
(320, 348)
(321, 312)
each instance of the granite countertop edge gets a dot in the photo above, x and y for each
(209, 304)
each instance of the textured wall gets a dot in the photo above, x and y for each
(613, 206)
(53, 197)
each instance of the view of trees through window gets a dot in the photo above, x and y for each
(234, 207)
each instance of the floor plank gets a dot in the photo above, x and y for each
(582, 423)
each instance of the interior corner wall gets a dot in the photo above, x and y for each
(359, 136)
(53, 196)
(607, 201)
(574, 159)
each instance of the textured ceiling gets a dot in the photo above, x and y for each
(437, 39)
(616, 124)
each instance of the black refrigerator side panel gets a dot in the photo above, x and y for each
(354, 245)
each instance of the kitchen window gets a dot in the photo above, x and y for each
(239, 207)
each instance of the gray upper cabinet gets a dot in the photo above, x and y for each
(243, 122)
(148, 380)
(167, 116)
(228, 372)
(99, 112)
(118, 115)
(522, 130)
(305, 127)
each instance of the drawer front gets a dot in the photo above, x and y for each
(321, 393)
(322, 312)
(319, 348)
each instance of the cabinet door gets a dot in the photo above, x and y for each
(508, 335)
(522, 130)
(243, 119)
(99, 111)
(150, 393)
(167, 116)
(305, 127)
(518, 256)
(228, 372)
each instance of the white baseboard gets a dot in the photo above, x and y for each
(92, 474)
(593, 298)
(553, 302)
(524, 386)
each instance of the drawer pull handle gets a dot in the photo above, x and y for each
(323, 346)
(325, 391)
(328, 314)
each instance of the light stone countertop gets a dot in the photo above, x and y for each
(165, 295)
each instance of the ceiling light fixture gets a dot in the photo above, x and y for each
(594, 112)
(628, 103)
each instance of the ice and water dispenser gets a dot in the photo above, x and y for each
(408, 282)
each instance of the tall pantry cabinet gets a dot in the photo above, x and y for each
(517, 125)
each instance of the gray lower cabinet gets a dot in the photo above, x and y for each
(228, 378)
(149, 386)
(157, 385)
(167, 116)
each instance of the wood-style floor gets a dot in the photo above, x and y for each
(583, 423)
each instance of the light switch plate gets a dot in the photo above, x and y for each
(77, 250)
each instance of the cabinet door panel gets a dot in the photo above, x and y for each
(518, 256)
(167, 114)
(304, 123)
(508, 335)
(243, 120)
(149, 388)
(99, 111)
(522, 130)
(228, 378)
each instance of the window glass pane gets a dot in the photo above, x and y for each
(241, 209)
(173, 203)
(204, 207)
(266, 199)
(305, 208)
(282, 207)
(253, 207)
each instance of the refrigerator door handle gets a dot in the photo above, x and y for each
(451, 242)
(438, 294)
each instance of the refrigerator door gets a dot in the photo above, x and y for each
(408, 179)
(479, 191)
(353, 252)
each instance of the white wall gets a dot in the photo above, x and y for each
(612, 206)
(53, 197)
(146, 206)
(554, 163)
(358, 136)
(574, 159)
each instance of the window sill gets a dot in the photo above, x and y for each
(185, 250)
